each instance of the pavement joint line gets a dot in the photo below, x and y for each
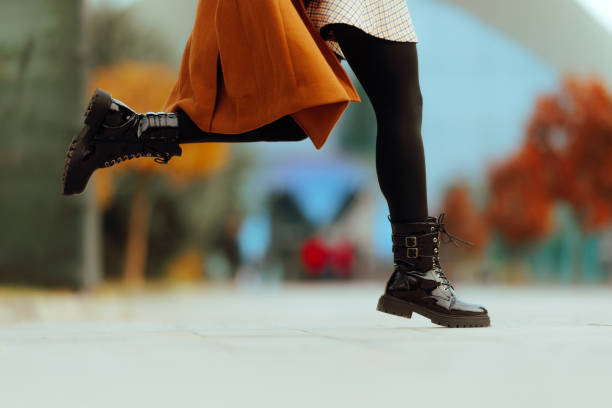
(361, 342)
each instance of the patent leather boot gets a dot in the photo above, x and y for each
(112, 133)
(418, 283)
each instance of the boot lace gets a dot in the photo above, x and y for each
(440, 228)
(131, 122)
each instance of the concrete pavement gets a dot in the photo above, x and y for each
(302, 346)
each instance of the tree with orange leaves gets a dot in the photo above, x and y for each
(521, 201)
(573, 130)
(132, 83)
(565, 156)
(464, 217)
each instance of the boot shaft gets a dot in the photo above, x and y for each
(123, 124)
(416, 243)
(127, 134)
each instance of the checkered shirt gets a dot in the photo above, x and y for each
(388, 19)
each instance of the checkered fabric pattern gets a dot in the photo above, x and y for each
(388, 19)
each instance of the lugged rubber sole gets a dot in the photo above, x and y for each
(73, 183)
(399, 307)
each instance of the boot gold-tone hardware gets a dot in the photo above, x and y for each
(410, 241)
(412, 252)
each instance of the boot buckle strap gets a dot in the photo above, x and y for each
(412, 252)
(410, 241)
(405, 241)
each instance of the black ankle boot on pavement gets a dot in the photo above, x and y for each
(112, 133)
(418, 284)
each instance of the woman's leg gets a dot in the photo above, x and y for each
(113, 133)
(284, 129)
(388, 72)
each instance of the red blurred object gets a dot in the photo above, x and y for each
(342, 258)
(314, 254)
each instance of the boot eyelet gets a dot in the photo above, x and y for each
(106, 164)
(112, 162)
(435, 240)
(125, 158)
(432, 229)
(436, 250)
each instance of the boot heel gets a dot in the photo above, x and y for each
(98, 105)
(388, 304)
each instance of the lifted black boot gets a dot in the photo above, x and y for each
(112, 133)
(418, 283)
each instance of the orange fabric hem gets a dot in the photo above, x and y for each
(227, 85)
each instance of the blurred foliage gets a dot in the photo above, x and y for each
(187, 266)
(521, 205)
(565, 157)
(191, 217)
(465, 219)
(549, 205)
(41, 71)
(573, 132)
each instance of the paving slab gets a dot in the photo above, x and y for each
(302, 346)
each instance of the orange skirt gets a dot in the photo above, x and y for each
(248, 63)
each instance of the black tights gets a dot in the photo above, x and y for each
(388, 72)
(284, 129)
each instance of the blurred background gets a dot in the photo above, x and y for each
(517, 130)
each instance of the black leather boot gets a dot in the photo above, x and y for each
(112, 133)
(418, 283)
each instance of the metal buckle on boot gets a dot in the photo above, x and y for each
(411, 251)
(410, 241)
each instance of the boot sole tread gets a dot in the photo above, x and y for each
(94, 116)
(391, 305)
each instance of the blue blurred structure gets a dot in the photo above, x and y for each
(479, 87)
(320, 185)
